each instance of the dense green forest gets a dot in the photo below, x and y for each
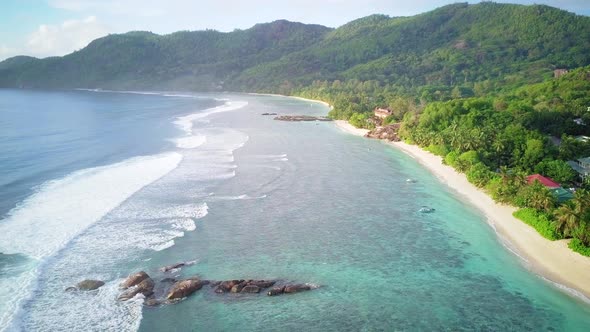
(456, 50)
(472, 83)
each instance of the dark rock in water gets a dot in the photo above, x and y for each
(297, 118)
(426, 209)
(184, 288)
(250, 289)
(269, 114)
(296, 288)
(152, 302)
(145, 287)
(172, 267)
(171, 280)
(134, 279)
(226, 286)
(89, 284)
(262, 283)
(71, 289)
(238, 288)
(276, 291)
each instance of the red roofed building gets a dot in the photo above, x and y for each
(547, 182)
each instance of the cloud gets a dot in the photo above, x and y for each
(7, 52)
(69, 36)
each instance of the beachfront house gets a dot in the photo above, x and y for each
(555, 188)
(581, 166)
(547, 182)
(382, 113)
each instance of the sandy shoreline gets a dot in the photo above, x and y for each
(552, 260)
(293, 97)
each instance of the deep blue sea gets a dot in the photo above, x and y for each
(98, 185)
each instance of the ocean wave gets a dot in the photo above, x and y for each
(235, 198)
(190, 142)
(61, 209)
(185, 123)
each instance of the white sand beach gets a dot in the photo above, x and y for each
(552, 260)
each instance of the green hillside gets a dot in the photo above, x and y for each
(476, 48)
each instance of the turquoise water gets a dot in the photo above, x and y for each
(248, 197)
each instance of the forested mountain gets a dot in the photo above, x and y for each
(198, 60)
(475, 48)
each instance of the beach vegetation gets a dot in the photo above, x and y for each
(541, 222)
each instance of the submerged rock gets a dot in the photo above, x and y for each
(250, 289)
(134, 279)
(184, 288)
(426, 209)
(152, 302)
(276, 291)
(89, 284)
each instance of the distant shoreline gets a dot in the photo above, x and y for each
(552, 260)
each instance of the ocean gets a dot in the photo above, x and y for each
(99, 185)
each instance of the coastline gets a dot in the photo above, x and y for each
(551, 260)
(292, 97)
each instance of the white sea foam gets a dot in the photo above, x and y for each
(190, 142)
(235, 198)
(61, 209)
(186, 122)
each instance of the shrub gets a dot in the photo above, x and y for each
(439, 150)
(579, 247)
(451, 158)
(539, 221)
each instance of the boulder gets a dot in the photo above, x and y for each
(184, 288)
(226, 286)
(89, 284)
(250, 289)
(262, 283)
(145, 287)
(71, 289)
(276, 291)
(134, 279)
(237, 288)
(296, 288)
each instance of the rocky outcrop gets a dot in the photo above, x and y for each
(89, 284)
(290, 289)
(296, 118)
(135, 284)
(242, 286)
(134, 279)
(389, 132)
(184, 288)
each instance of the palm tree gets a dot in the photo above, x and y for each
(566, 218)
(582, 201)
(542, 199)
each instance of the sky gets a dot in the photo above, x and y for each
(44, 28)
